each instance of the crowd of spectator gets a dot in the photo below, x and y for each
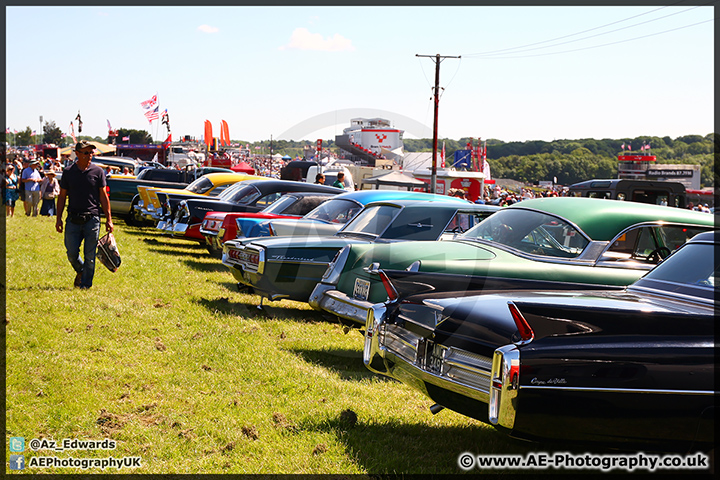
(266, 166)
(31, 178)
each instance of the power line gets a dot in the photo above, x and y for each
(566, 36)
(523, 48)
(604, 44)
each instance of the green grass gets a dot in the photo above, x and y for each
(168, 359)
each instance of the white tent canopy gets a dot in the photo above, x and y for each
(396, 179)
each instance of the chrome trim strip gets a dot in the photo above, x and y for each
(504, 379)
(619, 390)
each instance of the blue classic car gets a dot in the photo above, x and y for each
(290, 267)
(625, 367)
(579, 240)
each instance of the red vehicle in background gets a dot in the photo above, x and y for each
(219, 227)
(47, 150)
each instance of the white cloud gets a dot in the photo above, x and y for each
(208, 29)
(302, 39)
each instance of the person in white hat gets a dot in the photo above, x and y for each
(49, 188)
(85, 183)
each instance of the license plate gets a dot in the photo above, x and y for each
(362, 289)
(434, 358)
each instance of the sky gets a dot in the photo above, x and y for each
(524, 73)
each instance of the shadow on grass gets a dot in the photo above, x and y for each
(393, 447)
(348, 364)
(173, 250)
(248, 309)
(209, 265)
(144, 232)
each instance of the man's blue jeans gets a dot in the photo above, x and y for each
(75, 235)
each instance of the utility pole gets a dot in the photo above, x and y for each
(438, 59)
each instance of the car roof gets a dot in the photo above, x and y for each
(223, 176)
(435, 204)
(367, 196)
(706, 237)
(603, 219)
(274, 185)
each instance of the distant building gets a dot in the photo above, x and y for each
(368, 140)
(643, 167)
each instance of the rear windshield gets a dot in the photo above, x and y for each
(531, 232)
(201, 185)
(335, 211)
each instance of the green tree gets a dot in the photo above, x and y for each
(136, 136)
(51, 133)
(24, 137)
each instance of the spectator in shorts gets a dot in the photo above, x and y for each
(11, 190)
(31, 178)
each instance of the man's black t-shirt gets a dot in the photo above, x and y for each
(83, 188)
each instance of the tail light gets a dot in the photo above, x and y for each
(524, 330)
(389, 288)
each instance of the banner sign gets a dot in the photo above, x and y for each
(670, 173)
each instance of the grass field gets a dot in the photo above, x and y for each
(166, 358)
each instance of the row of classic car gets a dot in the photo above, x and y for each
(540, 318)
(291, 266)
(565, 239)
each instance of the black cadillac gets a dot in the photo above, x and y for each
(623, 367)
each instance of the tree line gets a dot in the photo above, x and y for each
(572, 161)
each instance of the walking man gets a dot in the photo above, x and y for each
(85, 183)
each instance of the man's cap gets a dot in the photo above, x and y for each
(34, 162)
(83, 144)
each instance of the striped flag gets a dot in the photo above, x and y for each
(153, 114)
(148, 104)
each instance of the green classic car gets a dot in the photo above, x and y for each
(290, 267)
(577, 240)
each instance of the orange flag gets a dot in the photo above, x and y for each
(208, 133)
(226, 130)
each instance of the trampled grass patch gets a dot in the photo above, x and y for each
(168, 359)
